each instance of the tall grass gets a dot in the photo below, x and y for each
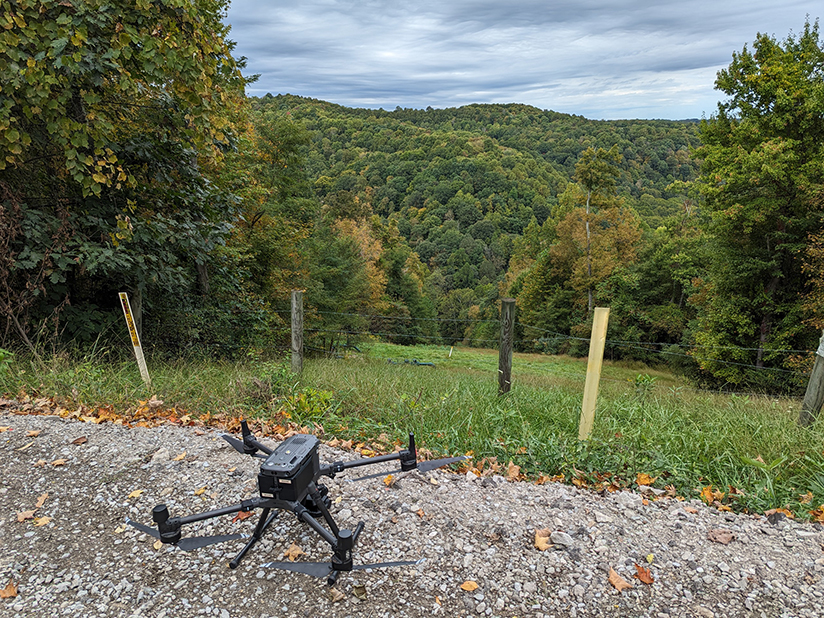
(645, 422)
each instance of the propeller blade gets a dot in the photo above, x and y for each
(237, 444)
(144, 528)
(383, 565)
(426, 466)
(423, 466)
(196, 542)
(315, 569)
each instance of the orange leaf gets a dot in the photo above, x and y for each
(542, 541)
(644, 575)
(643, 478)
(59, 462)
(33, 433)
(513, 471)
(389, 480)
(10, 591)
(39, 463)
(242, 515)
(80, 440)
(2, 429)
(420, 513)
(617, 581)
(469, 586)
(293, 552)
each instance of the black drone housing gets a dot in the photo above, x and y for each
(288, 471)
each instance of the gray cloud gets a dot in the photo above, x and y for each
(598, 58)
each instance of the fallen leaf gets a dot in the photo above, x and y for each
(23, 448)
(33, 433)
(24, 515)
(39, 463)
(232, 469)
(359, 591)
(469, 586)
(338, 499)
(41, 521)
(41, 501)
(650, 558)
(293, 552)
(389, 480)
(617, 581)
(200, 432)
(336, 595)
(181, 457)
(119, 529)
(420, 513)
(136, 493)
(690, 509)
(806, 498)
(818, 514)
(542, 541)
(434, 481)
(438, 600)
(59, 462)
(242, 515)
(786, 512)
(157, 544)
(80, 440)
(513, 471)
(644, 575)
(643, 478)
(10, 591)
(709, 496)
(719, 535)
(2, 429)
(200, 491)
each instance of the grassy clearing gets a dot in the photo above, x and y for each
(646, 422)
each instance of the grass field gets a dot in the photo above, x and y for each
(648, 422)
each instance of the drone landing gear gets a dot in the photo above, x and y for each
(263, 523)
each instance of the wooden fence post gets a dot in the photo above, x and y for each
(594, 362)
(814, 397)
(135, 336)
(297, 331)
(505, 349)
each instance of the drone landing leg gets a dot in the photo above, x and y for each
(262, 524)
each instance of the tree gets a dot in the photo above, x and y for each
(110, 117)
(761, 178)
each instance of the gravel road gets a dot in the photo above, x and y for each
(74, 556)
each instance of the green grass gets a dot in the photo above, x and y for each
(646, 421)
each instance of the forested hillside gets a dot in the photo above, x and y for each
(130, 159)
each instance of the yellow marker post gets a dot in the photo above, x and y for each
(138, 349)
(594, 362)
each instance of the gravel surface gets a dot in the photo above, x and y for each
(83, 561)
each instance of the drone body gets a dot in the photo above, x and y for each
(288, 481)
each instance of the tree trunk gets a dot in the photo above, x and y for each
(203, 278)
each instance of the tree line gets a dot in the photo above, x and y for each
(132, 160)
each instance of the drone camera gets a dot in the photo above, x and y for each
(289, 470)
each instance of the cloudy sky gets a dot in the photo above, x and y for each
(598, 58)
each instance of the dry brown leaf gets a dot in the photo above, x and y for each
(420, 513)
(719, 535)
(642, 478)
(469, 586)
(181, 457)
(80, 440)
(24, 515)
(359, 591)
(644, 575)
(41, 501)
(242, 515)
(513, 471)
(10, 591)
(157, 544)
(39, 463)
(690, 509)
(33, 433)
(806, 498)
(6, 428)
(438, 600)
(41, 521)
(136, 493)
(617, 581)
(59, 462)
(23, 448)
(293, 552)
(786, 512)
(542, 541)
(336, 595)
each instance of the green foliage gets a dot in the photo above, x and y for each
(761, 178)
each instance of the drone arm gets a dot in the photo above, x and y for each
(246, 505)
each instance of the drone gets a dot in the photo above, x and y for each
(288, 481)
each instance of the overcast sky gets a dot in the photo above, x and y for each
(596, 58)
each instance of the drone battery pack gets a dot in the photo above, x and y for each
(287, 472)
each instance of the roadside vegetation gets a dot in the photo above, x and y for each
(739, 452)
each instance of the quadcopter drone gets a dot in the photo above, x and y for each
(288, 481)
